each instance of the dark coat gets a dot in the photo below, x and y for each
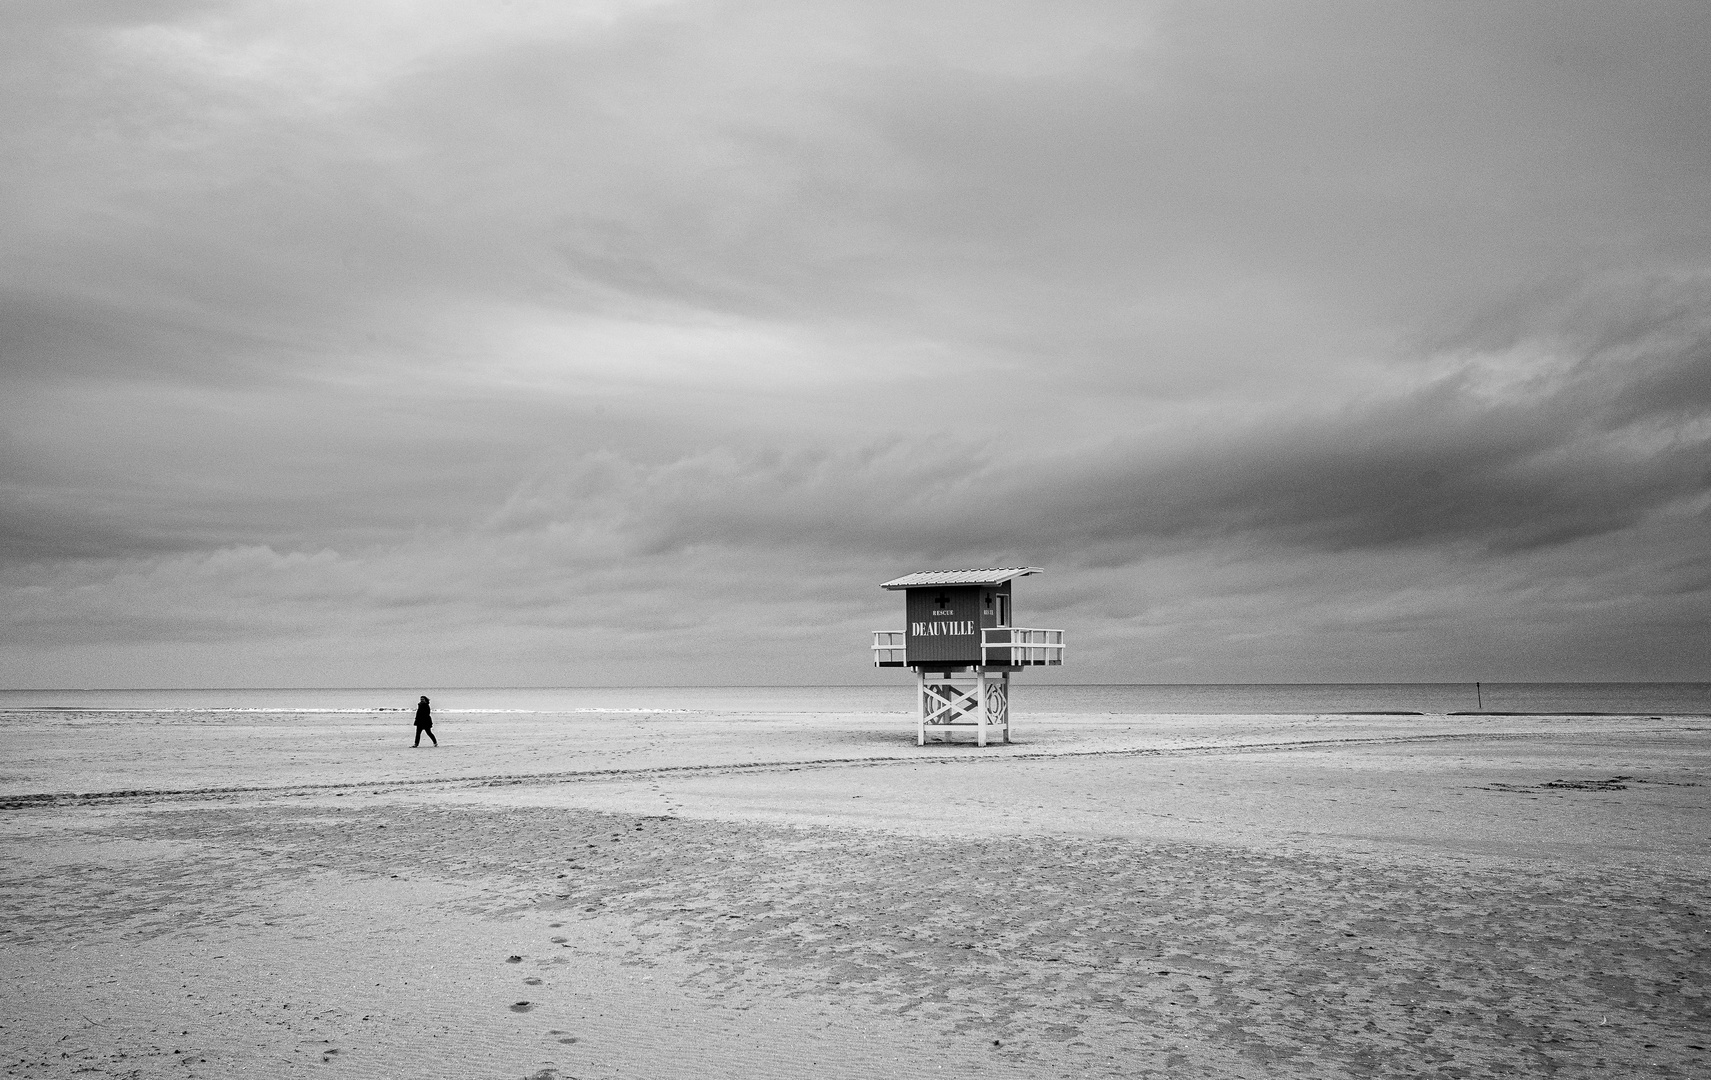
(423, 718)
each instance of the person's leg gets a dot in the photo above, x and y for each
(431, 738)
(418, 741)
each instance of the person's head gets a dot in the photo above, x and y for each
(424, 699)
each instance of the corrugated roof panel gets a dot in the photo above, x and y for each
(995, 575)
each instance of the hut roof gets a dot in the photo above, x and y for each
(996, 575)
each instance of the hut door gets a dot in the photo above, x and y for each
(1001, 610)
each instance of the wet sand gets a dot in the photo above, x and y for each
(693, 895)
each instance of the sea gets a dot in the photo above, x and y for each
(1592, 698)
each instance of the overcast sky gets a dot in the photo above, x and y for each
(415, 343)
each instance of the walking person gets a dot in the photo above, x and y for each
(424, 724)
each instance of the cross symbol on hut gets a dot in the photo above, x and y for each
(941, 600)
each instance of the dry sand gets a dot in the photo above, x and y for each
(685, 895)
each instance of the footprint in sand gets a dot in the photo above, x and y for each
(531, 982)
(521, 1006)
(513, 959)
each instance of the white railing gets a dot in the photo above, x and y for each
(888, 648)
(1005, 646)
(1025, 646)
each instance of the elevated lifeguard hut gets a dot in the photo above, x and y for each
(963, 649)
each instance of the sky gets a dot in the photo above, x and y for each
(637, 343)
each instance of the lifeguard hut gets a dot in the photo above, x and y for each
(963, 649)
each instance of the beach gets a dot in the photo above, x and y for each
(744, 894)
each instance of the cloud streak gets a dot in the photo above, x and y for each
(1545, 443)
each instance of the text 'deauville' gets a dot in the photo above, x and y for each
(941, 629)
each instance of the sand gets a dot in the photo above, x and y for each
(693, 895)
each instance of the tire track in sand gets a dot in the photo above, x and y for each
(84, 798)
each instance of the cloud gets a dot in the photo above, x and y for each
(1613, 433)
(452, 330)
(1551, 440)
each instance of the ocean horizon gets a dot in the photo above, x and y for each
(1623, 698)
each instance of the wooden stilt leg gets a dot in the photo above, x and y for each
(980, 713)
(920, 708)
